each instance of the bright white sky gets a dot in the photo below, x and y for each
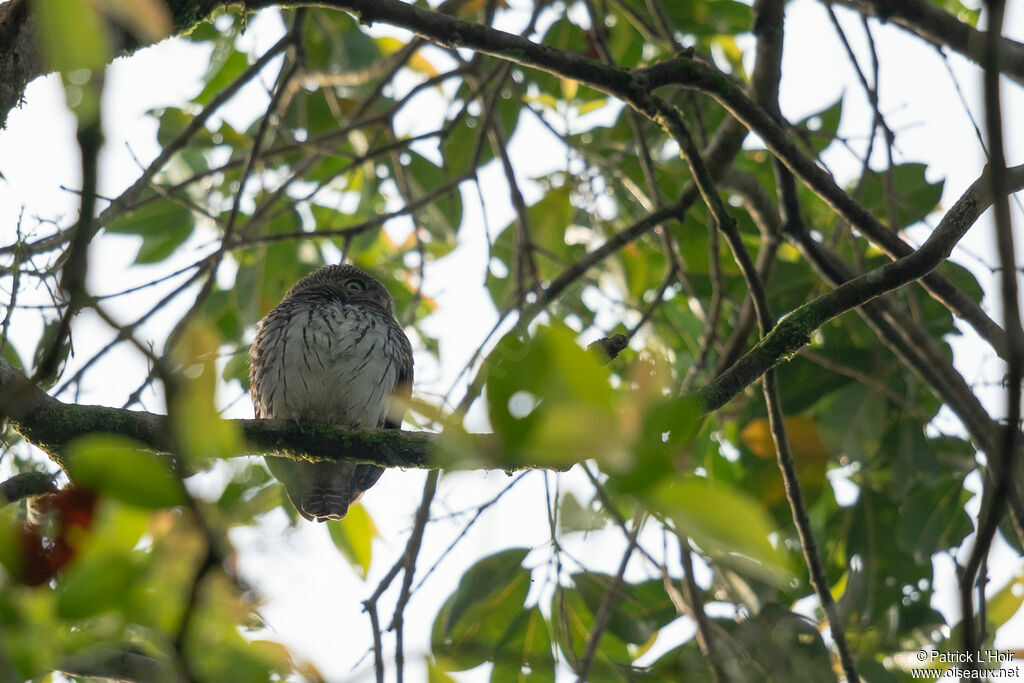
(313, 596)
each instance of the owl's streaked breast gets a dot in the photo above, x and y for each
(328, 363)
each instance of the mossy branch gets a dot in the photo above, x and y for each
(51, 424)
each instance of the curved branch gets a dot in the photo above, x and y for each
(794, 331)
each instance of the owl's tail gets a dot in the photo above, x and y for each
(323, 490)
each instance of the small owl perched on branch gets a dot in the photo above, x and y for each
(330, 352)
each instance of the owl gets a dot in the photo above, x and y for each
(331, 352)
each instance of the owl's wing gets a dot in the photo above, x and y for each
(403, 388)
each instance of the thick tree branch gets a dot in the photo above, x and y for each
(51, 425)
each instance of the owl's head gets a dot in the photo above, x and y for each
(349, 284)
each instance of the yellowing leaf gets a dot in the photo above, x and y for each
(544, 99)
(803, 439)
(422, 65)
(788, 253)
(1002, 606)
(728, 45)
(417, 62)
(592, 105)
(435, 674)
(569, 88)
(149, 20)
(389, 45)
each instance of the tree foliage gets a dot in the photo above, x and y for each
(764, 328)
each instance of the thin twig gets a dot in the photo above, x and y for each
(412, 549)
(1001, 462)
(704, 639)
(604, 611)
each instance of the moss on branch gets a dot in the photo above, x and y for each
(51, 425)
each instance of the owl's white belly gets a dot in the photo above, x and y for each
(330, 365)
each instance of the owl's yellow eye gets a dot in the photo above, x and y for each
(355, 285)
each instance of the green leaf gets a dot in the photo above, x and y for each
(572, 622)
(475, 619)
(73, 33)
(818, 130)
(912, 196)
(123, 469)
(669, 427)
(172, 122)
(482, 580)
(353, 537)
(442, 217)
(334, 42)
(525, 653)
(685, 663)
(549, 400)
(220, 308)
(10, 354)
(459, 144)
(639, 611)
(881, 578)
(851, 421)
(736, 533)
(314, 112)
(163, 226)
(787, 645)
(963, 279)
(772, 645)
(574, 517)
(435, 674)
(547, 221)
(10, 541)
(265, 274)
(933, 519)
(1005, 604)
(97, 584)
(224, 70)
(46, 341)
(217, 648)
(199, 430)
(710, 17)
